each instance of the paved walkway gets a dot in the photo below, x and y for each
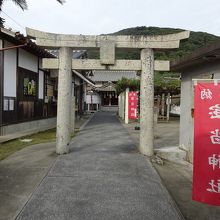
(103, 177)
(20, 174)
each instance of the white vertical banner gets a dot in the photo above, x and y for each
(126, 105)
(41, 85)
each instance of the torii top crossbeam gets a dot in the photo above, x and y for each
(107, 45)
(48, 40)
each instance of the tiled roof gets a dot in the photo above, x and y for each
(106, 76)
(205, 54)
(107, 87)
(28, 45)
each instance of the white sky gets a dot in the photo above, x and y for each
(107, 16)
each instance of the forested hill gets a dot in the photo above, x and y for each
(196, 40)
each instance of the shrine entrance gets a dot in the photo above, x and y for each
(109, 98)
(107, 46)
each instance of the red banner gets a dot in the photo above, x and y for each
(132, 105)
(206, 164)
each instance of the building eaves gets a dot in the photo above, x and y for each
(19, 39)
(84, 78)
(109, 86)
(206, 54)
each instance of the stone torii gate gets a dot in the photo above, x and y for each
(107, 45)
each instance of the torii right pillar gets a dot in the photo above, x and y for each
(146, 146)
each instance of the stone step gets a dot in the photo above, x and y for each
(109, 108)
(174, 154)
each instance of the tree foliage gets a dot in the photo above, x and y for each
(163, 83)
(22, 4)
(132, 84)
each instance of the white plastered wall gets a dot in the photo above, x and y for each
(10, 68)
(95, 99)
(28, 61)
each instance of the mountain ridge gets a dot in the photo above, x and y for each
(195, 41)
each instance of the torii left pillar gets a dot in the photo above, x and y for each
(64, 101)
(146, 146)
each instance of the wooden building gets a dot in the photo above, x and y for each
(28, 93)
(104, 96)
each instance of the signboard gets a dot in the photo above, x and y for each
(206, 167)
(29, 87)
(132, 105)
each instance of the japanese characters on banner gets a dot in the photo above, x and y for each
(132, 105)
(206, 168)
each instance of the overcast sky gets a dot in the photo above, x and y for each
(107, 16)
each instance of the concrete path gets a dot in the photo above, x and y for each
(20, 174)
(104, 177)
(23, 171)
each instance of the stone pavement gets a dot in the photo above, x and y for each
(166, 133)
(103, 177)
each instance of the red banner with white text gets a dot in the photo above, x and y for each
(132, 105)
(206, 164)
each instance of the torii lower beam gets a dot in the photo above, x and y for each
(93, 64)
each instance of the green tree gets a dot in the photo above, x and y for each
(163, 83)
(22, 4)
